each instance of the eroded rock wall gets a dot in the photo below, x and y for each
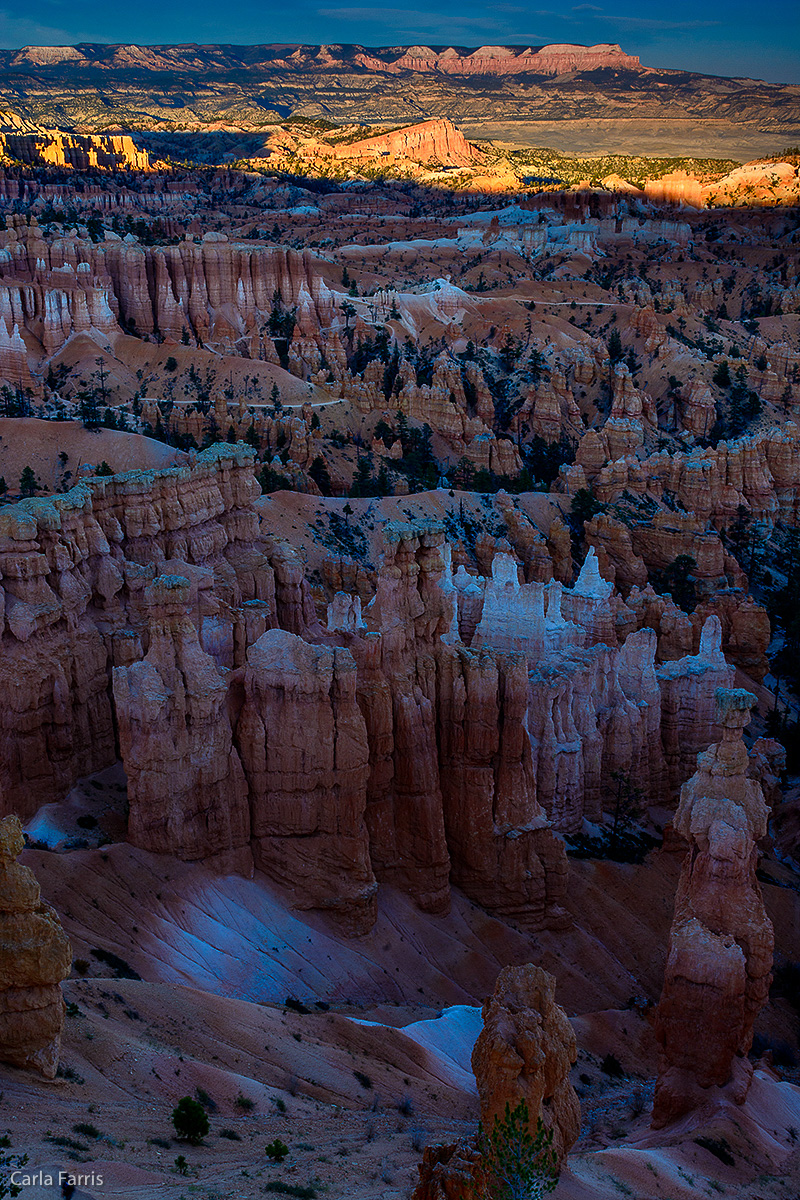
(74, 570)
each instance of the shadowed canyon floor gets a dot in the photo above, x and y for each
(350, 1090)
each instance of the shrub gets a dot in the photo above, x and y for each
(290, 1189)
(627, 847)
(181, 1165)
(207, 1102)
(518, 1164)
(66, 1143)
(190, 1120)
(66, 1072)
(363, 1079)
(245, 1103)
(230, 1134)
(87, 1129)
(418, 1139)
(406, 1106)
(8, 1164)
(118, 965)
(276, 1151)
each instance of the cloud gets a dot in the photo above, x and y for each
(655, 23)
(413, 18)
(627, 22)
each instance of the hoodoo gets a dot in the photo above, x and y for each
(720, 953)
(34, 957)
(399, 526)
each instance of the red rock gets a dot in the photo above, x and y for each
(719, 967)
(303, 743)
(431, 141)
(34, 957)
(524, 1052)
(502, 851)
(186, 788)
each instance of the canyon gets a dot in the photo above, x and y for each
(398, 561)
(582, 88)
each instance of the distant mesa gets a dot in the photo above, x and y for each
(484, 60)
(430, 141)
(508, 60)
(48, 55)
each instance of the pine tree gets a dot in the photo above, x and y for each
(517, 1164)
(614, 346)
(27, 481)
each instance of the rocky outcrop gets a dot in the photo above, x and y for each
(688, 707)
(451, 1171)
(218, 293)
(759, 472)
(81, 152)
(505, 60)
(431, 141)
(34, 957)
(397, 694)
(524, 1052)
(74, 570)
(187, 792)
(720, 957)
(503, 853)
(303, 742)
(447, 704)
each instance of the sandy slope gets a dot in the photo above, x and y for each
(27, 442)
(355, 1089)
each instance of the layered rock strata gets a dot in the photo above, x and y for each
(448, 704)
(186, 787)
(34, 957)
(503, 851)
(303, 744)
(720, 957)
(74, 573)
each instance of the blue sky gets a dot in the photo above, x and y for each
(722, 37)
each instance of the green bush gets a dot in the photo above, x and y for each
(8, 1164)
(190, 1120)
(276, 1151)
(518, 1164)
(87, 1129)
